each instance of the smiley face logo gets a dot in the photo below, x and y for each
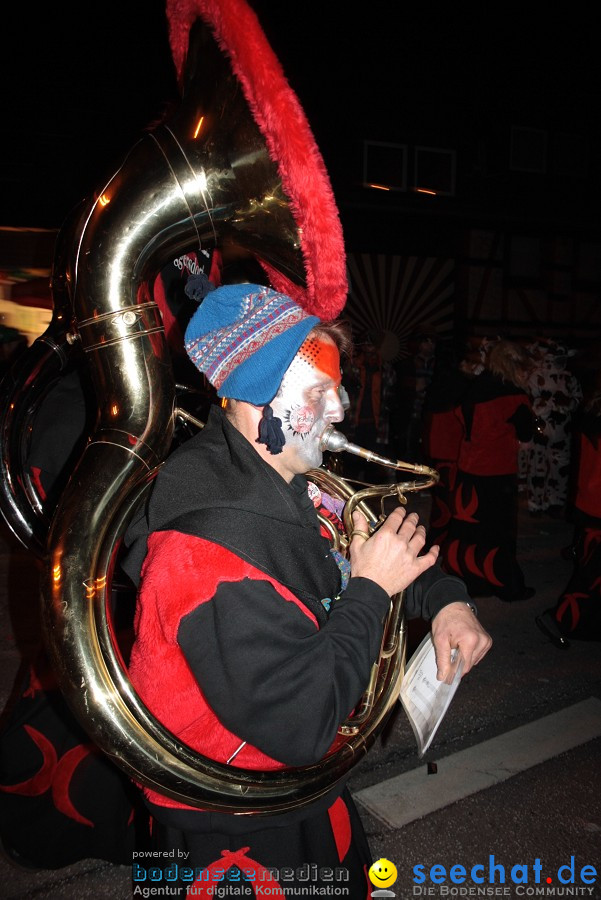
(383, 873)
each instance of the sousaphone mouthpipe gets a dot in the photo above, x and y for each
(336, 442)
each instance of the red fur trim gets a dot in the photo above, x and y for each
(173, 332)
(289, 140)
(36, 477)
(341, 826)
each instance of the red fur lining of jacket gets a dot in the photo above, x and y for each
(180, 572)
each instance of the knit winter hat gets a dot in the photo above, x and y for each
(244, 337)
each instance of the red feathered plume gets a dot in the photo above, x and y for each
(288, 138)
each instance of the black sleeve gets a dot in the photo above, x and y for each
(59, 430)
(271, 676)
(432, 591)
(523, 422)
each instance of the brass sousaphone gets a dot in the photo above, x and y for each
(235, 165)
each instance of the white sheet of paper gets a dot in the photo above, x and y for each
(424, 698)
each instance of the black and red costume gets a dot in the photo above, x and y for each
(578, 610)
(481, 542)
(232, 612)
(62, 799)
(442, 434)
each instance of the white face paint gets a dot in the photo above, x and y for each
(308, 401)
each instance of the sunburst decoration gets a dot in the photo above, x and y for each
(393, 297)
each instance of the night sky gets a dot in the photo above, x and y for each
(80, 86)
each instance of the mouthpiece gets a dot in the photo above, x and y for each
(334, 441)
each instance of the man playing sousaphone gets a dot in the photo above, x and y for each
(254, 642)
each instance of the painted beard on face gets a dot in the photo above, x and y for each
(308, 400)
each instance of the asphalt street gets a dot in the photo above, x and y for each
(510, 784)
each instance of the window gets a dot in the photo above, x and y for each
(528, 150)
(435, 170)
(385, 166)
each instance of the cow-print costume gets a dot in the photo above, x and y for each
(545, 461)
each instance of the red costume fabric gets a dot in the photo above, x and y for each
(588, 483)
(481, 541)
(176, 698)
(442, 434)
(578, 609)
(491, 443)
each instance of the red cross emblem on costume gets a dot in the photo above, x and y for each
(256, 873)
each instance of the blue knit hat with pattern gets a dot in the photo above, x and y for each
(243, 337)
